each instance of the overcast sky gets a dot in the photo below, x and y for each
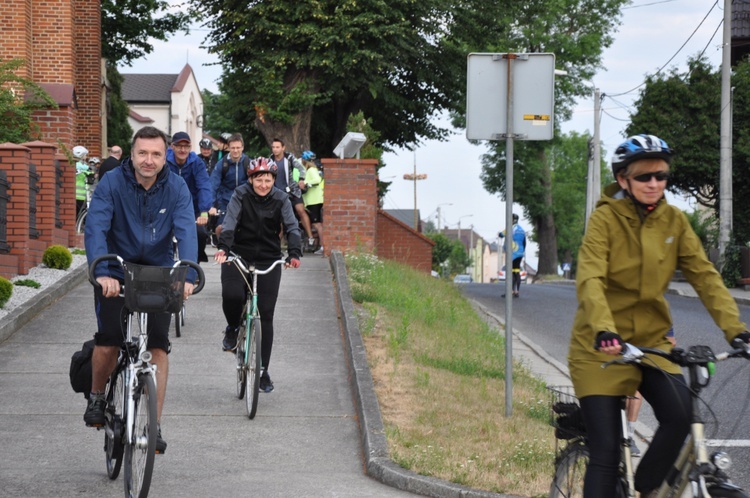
(651, 36)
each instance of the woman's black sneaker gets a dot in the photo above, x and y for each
(230, 339)
(266, 385)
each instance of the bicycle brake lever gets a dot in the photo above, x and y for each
(629, 353)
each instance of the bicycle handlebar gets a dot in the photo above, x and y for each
(237, 260)
(181, 262)
(695, 355)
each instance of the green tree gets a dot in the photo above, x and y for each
(550, 184)
(19, 98)
(577, 32)
(684, 109)
(448, 256)
(129, 25)
(119, 131)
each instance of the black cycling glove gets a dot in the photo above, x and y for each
(605, 338)
(742, 341)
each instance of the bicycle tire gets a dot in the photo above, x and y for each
(570, 470)
(178, 324)
(81, 221)
(240, 356)
(715, 492)
(140, 452)
(113, 430)
(252, 377)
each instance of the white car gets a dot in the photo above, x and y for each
(501, 275)
(462, 278)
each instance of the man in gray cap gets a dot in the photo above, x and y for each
(186, 163)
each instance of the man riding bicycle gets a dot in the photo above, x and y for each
(633, 244)
(135, 210)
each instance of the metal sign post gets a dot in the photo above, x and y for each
(492, 114)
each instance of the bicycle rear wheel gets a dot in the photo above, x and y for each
(570, 470)
(113, 428)
(140, 452)
(253, 367)
(240, 355)
(81, 221)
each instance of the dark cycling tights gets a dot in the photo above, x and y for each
(668, 396)
(233, 293)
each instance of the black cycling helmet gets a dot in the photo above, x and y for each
(205, 144)
(262, 165)
(639, 147)
(515, 218)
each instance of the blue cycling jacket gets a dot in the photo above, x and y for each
(196, 177)
(138, 224)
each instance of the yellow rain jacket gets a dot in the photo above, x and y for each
(624, 269)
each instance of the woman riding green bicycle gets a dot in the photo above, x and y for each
(633, 244)
(256, 214)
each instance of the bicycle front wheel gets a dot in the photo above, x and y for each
(570, 470)
(140, 451)
(715, 492)
(113, 428)
(241, 364)
(253, 367)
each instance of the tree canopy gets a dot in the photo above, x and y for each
(684, 109)
(127, 26)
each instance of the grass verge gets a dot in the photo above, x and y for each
(439, 373)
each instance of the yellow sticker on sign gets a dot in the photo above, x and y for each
(536, 117)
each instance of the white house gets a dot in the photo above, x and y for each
(170, 102)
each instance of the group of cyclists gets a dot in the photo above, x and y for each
(159, 200)
(633, 244)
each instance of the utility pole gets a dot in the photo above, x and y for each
(414, 177)
(593, 179)
(725, 171)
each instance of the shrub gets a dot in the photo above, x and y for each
(57, 257)
(27, 282)
(6, 290)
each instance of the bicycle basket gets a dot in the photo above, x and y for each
(565, 413)
(154, 289)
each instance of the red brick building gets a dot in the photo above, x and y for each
(60, 40)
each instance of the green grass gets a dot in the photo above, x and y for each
(27, 282)
(439, 372)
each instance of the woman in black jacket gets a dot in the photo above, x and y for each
(255, 214)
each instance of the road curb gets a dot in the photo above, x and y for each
(377, 463)
(22, 314)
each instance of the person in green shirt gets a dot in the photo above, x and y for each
(313, 197)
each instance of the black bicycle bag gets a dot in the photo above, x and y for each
(80, 369)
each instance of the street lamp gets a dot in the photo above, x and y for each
(438, 213)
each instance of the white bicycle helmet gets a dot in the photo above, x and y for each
(79, 151)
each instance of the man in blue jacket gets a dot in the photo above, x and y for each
(229, 173)
(192, 169)
(134, 212)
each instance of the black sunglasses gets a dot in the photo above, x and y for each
(646, 177)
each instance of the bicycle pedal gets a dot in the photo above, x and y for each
(97, 426)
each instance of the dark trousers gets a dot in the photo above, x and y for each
(234, 294)
(517, 274)
(669, 397)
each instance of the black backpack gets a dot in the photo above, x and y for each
(80, 369)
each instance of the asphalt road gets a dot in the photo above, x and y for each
(545, 312)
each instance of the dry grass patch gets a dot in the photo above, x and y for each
(440, 380)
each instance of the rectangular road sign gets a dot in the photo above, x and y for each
(533, 95)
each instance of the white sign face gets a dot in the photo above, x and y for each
(533, 96)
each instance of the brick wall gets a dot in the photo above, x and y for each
(26, 252)
(397, 241)
(353, 221)
(61, 45)
(351, 203)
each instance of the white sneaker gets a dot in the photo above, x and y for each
(320, 251)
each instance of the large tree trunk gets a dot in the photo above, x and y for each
(296, 136)
(545, 230)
